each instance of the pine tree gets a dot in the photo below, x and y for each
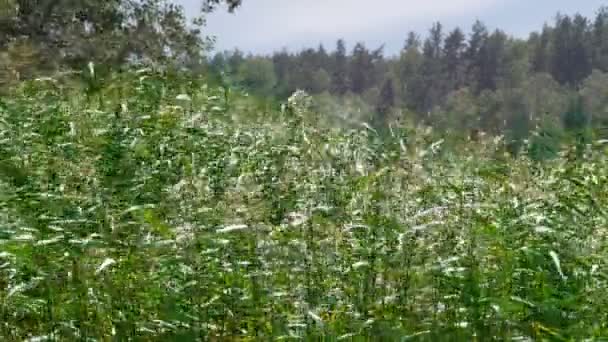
(282, 62)
(339, 75)
(477, 40)
(323, 59)
(572, 56)
(490, 62)
(454, 59)
(428, 90)
(409, 67)
(600, 40)
(361, 69)
(303, 73)
(541, 61)
(386, 100)
(581, 48)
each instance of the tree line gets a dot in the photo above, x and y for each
(455, 80)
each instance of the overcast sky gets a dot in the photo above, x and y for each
(264, 26)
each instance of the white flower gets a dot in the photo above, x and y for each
(543, 229)
(299, 102)
(105, 264)
(183, 97)
(232, 228)
(360, 264)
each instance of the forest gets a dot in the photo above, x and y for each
(154, 189)
(552, 83)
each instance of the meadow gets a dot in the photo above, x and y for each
(151, 208)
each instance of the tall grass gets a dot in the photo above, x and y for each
(144, 210)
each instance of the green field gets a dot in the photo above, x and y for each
(151, 210)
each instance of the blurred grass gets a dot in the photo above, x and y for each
(143, 206)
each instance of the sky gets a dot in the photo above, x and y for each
(264, 26)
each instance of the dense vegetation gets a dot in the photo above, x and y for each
(148, 209)
(148, 193)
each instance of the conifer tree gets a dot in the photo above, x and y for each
(339, 76)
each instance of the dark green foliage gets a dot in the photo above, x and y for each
(69, 34)
(339, 80)
(491, 61)
(572, 50)
(577, 125)
(541, 45)
(258, 76)
(427, 86)
(477, 39)
(386, 102)
(362, 68)
(600, 40)
(455, 66)
(518, 124)
(545, 142)
(575, 118)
